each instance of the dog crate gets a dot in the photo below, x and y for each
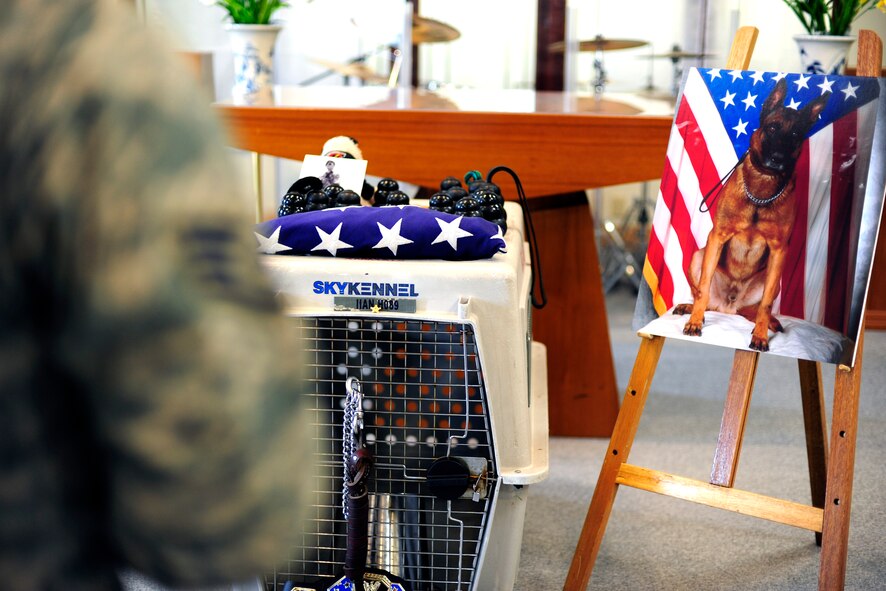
(455, 412)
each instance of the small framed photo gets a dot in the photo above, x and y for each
(347, 172)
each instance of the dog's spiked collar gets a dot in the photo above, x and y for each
(756, 200)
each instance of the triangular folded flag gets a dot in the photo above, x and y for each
(395, 232)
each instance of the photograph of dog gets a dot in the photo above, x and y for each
(739, 270)
(757, 236)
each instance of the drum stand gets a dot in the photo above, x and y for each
(618, 259)
(599, 74)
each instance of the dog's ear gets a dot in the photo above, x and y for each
(814, 108)
(775, 98)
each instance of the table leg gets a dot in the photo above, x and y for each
(582, 393)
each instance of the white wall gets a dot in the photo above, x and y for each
(497, 44)
(496, 48)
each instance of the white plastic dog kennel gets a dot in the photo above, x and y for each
(450, 374)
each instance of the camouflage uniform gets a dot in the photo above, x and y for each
(149, 414)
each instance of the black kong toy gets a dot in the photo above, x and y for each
(332, 190)
(481, 199)
(347, 198)
(456, 193)
(291, 203)
(380, 198)
(387, 184)
(449, 182)
(442, 201)
(306, 184)
(317, 200)
(388, 192)
(398, 198)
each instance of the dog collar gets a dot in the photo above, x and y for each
(757, 200)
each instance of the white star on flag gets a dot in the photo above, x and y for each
(450, 232)
(757, 77)
(740, 128)
(802, 82)
(330, 242)
(793, 104)
(271, 244)
(778, 76)
(728, 99)
(498, 234)
(826, 85)
(750, 101)
(849, 91)
(714, 73)
(736, 75)
(390, 237)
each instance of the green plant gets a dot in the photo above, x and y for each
(252, 12)
(831, 17)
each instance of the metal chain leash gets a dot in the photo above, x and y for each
(351, 427)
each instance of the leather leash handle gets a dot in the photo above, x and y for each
(358, 520)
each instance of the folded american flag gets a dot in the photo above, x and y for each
(396, 232)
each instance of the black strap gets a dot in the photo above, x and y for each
(534, 259)
(719, 187)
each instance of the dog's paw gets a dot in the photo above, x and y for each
(693, 329)
(759, 344)
(775, 325)
(681, 309)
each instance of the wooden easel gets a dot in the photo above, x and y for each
(830, 469)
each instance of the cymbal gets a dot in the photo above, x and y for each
(599, 43)
(355, 69)
(676, 55)
(427, 30)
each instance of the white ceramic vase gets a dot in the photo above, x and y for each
(823, 54)
(253, 49)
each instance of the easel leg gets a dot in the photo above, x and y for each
(841, 467)
(735, 414)
(816, 431)
(617, 454)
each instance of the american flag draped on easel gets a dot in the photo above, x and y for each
(716, 115)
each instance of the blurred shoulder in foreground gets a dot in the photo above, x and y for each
(151, 413)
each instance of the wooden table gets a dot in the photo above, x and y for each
(556, 142)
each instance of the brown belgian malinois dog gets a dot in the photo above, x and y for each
(745, 253)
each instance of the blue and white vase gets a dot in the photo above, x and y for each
(253, 49)
(823, 54)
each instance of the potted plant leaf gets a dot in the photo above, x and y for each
(823, 50)
(252, 36)
(252, 12)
